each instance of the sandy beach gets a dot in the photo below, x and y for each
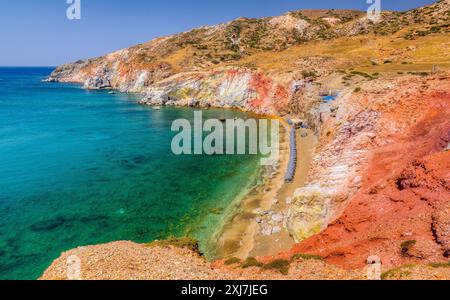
(242, 236)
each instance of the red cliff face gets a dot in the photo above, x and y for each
(402, 211)
(263, 86)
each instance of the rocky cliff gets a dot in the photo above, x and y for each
(223, 65)
(381, 177)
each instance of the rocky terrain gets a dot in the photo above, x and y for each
(131, 261)
(384, 173)
(127, 260)
(379, 183)
(242, 63)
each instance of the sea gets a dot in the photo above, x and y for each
(81, 167)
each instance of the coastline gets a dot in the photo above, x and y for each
(236, 236)
(267, 245)
(239, 235)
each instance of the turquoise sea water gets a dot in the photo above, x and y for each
(87, 167)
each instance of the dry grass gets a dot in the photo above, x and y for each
(179, 57)
(356, 52)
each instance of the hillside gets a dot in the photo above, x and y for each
(253, 63)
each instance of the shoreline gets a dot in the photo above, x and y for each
(275, 243)
(239, 234)
(236, 235)
(242, 234)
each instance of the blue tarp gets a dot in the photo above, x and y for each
(329, 98)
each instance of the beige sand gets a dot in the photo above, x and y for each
(274, 244)
(240, 235)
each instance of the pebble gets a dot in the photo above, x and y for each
(266, 230)
(278, 218)
(258, 211)
(276, 230)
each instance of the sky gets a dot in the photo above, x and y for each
(38, 32)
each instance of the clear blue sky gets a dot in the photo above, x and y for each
(37, 32)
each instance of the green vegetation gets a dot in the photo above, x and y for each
(397, 273)
(280, 265)
(419, 73)
(362, 74)
(251, 262)
(307, 74)
(440, 265)
(406, 247)
(179, 242)
(305, 257)
(232, 261)
(434, 29)
(357, 90)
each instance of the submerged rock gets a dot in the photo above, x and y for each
(49, 225)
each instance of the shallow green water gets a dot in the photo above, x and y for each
(84, 167)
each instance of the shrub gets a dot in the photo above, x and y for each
(363, 74)
(251, 262)
(440, 265)
(232, 261)
(387, 62)
(305, 257)
(357, 90)
(399, 272)
(422, 73)
(348, 77)
(309, 74)
(280, 265)
(406, 246)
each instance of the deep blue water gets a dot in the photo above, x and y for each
(86, 167)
